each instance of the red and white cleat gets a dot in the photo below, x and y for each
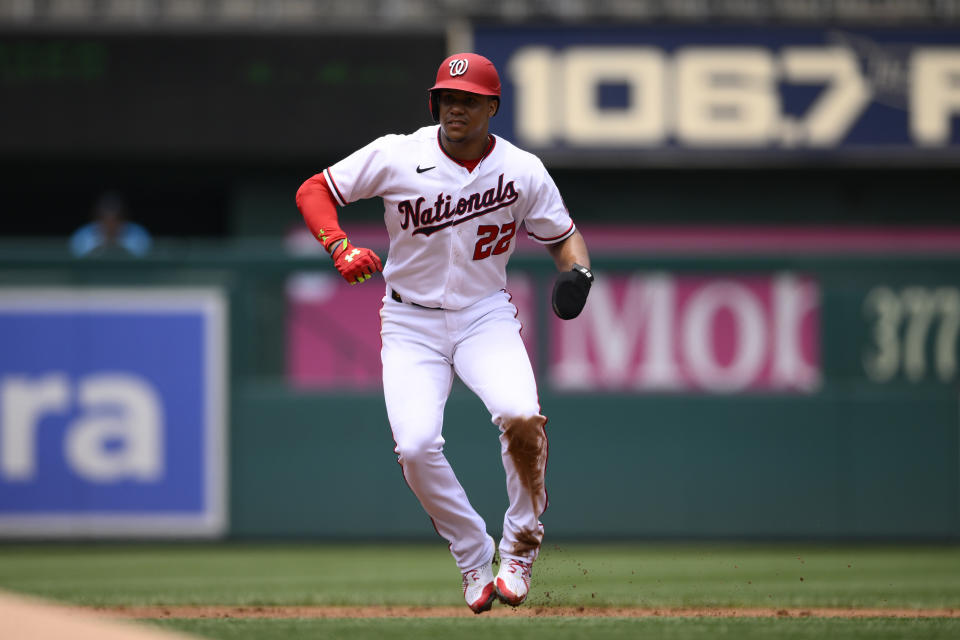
(478, 589)
(513, 581)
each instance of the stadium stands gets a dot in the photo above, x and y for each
(426, 13)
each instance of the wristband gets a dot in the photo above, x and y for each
(334, 246)
(582, 269)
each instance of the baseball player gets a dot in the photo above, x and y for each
(455, 197)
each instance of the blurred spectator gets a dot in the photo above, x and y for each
(110, 232)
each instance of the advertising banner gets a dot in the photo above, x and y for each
(640, 333)
(654, 94)
(112, 412)
(333, 330)
(711, 333)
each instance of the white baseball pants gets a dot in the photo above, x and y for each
(422, 349)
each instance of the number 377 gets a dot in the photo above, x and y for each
(913, 328)
(493, 240)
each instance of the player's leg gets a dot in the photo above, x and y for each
(491, 359)
(417, 377)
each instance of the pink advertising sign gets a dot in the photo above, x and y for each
(662, 332)
(333, 332)
(333, 329)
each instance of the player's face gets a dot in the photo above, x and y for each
(465, 116)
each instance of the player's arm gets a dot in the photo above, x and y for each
(573, 284)
(319, 210)
(570, 251)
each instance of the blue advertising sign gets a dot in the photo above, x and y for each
(700, 93)
(112, 412)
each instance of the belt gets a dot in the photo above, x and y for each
(396, 296)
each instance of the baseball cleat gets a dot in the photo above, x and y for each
(478, 589)
(513, 581)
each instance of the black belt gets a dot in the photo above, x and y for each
(396, 296)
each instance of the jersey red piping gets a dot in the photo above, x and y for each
(554, 238)
(333, 183)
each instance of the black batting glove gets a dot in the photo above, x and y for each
(570, 292)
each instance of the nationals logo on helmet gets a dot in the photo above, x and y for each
(458, 66)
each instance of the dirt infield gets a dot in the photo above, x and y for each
(31, 619)
(505, 612)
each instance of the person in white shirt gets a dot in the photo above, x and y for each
(455, 198)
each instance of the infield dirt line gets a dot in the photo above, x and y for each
(23, 617)
(396, 611)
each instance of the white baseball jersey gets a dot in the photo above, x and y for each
(451, 230)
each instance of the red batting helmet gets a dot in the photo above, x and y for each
(466, 72)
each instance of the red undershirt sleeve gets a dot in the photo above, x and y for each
(319, 209)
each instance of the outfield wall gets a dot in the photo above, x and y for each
(727, 392)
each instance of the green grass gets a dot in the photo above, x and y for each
(575, 574)
(676, 575)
